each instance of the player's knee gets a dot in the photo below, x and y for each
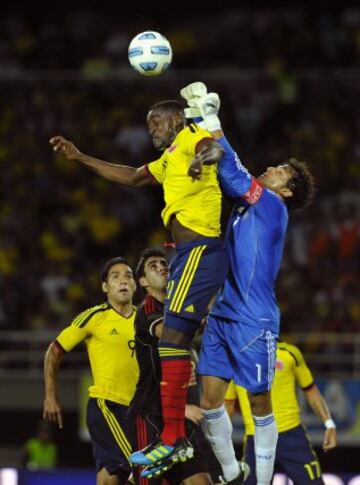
(213, 392)
(210, 399)
(176, 337)
(260, 403)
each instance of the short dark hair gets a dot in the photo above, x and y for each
(168, 106)
(104, 273)
(302, 185)
(148, 253)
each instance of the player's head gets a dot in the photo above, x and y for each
(291, 180)
(117, 280)
(152, 271)
(165, 120)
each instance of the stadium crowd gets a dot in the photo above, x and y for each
(38, 38)
(59, 222)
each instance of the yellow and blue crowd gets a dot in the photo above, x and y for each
(91, 217)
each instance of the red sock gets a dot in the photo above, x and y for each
(176, 373)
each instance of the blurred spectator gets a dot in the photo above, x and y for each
(41, 451)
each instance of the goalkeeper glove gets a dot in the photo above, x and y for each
(209, 106)
(194, 90)
(191, 93)
(202, 105)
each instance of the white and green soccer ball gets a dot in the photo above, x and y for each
(150, 53)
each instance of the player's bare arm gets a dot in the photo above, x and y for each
(319, 406)
(52, 408)
(122, 174)
(209, 153)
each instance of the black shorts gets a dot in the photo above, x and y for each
(107, 423)
(143, 430)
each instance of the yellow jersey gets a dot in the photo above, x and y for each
(110, 340)
(196, 203)
(291, 370)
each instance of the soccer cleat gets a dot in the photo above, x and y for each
(158, 453)
(155, 471)
(243, 474)
(147, 457)
(183, 451)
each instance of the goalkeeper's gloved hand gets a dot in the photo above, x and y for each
(191, 93)
(202, 105)
(209, 106)
(194, 90)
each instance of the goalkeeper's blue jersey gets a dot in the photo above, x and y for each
(255, 240)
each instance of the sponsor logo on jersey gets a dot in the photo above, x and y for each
(279, 365)
(172, 148)
(114, 332)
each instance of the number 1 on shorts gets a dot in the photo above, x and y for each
(258, 367)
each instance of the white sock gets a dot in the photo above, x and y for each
(218, 431)
(265, 440)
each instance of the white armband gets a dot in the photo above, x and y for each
(329, 423)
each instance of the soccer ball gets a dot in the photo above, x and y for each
(150, 53)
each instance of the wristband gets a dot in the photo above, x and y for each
(329, 423)
(212, 122)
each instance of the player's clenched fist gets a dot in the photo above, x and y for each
(66, 147)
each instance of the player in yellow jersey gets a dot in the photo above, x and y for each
(294, 452)
(108, 333)
(192, 213)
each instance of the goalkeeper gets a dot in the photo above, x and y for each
(240, 339)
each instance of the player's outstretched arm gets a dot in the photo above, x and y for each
(319, 406)
(208, 154)
(122, 174)
(235, 179)
(52, 408)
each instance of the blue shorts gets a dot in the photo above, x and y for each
(294, 456)
(244, 353)
(106, 421)
(197, 271)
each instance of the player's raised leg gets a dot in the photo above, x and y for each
(196, 273)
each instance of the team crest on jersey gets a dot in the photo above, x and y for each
(254, 193)
(279, 365)
(114, 332)
(172, 148)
